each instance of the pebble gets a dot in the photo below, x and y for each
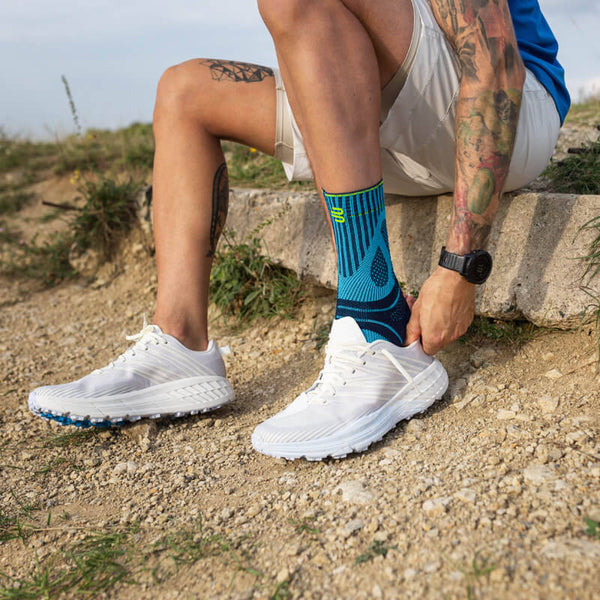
(548, 404)
(504, 415)
(537, 473)
(435, 507)
(553, 374)
(466, 495)
(352, 527)
(415, 426)
(356, 492)
(282, 576)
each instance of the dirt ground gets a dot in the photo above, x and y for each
(484, 496)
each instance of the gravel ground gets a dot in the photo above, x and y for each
(484, 496)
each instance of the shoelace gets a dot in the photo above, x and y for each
(342, 361)
(148, 335)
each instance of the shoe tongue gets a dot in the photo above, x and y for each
(346, 331)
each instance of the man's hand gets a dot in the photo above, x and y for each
(443, 311)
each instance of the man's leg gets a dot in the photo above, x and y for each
(172, 370)
(199, 103)
(335, 55)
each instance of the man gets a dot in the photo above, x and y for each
(433, 96)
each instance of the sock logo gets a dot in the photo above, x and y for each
(337, 214)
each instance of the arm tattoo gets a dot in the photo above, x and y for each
(220, 203)
(487, 112)
(236, 71)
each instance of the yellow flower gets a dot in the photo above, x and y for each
(252, 150)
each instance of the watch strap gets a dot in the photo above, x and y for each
(452, 261)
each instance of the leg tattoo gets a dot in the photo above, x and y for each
(236, 71)
(220, 203)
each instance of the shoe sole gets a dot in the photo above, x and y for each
(191, 396)
(359, 435)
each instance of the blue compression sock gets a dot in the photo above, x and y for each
(368, 290)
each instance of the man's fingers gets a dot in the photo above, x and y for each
(413, 328)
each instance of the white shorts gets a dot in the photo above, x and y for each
(417, 131)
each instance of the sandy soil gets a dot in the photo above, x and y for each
(484, 496)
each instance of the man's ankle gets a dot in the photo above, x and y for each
(192, 337)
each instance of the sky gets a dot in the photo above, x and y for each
(113, 52)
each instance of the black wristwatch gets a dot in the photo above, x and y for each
(475, 267)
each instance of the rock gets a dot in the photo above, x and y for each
(553, 374)
(355, 492)
(415, 426)
(534, 238)
(482, 356)
(352, 527)
(548, 404)
(432, 567)
(574, 549)
(120, 468)
(537, 474)
(435, 507)
(466, 495)
(282, 576)
(504, 415)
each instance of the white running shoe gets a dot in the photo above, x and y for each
(363, 391)
(156, 377)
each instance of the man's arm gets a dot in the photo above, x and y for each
(482, 34)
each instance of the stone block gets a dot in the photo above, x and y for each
(536, 241)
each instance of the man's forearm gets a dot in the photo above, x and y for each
(485, 129)
(487, 112)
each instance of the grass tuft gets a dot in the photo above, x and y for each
(245, 285)
(376, 548)
(579, 173)
(509, 333)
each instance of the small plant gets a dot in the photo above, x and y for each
(248, 167)
(377, 548)
(511, 333)
(592, 528)
(304, 526)
(13, 202)
(246, 285)
(47, 261)
(187, 546)
(578, 173)
(108, 214)
(282, 591)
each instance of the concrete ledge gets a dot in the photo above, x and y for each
(536, 243)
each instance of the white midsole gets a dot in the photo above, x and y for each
(181, 396)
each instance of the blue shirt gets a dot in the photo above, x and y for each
(538, 48)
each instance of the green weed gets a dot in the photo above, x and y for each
(188, 546)
(247, 167)
(99, 562)
(592, 528)
(376, 548)
(246, 285)
(13, 202)
(510, 333)
(46, 261)
(108, 213)
(92, 565)
(579, 173)
(586, 112)
(282, 591)
(75, 438)
(303, 526)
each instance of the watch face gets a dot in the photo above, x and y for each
(479, 268)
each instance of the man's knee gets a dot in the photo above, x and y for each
(181, 91)
(284, 16)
